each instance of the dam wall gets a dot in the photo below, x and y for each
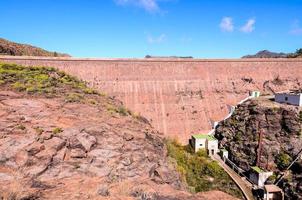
(179, 97)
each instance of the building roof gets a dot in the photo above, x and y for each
(257, 169)
(272, 188)
(291, 92)
(203, 136)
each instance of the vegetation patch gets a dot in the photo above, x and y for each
(283, 160)
(199, 171)
(21, 127)
(57, 130)
(42, 80)
(118, 109)
(74, 97)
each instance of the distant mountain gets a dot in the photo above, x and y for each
(267, 54)
(16, 49)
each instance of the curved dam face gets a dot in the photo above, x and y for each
(179, 97)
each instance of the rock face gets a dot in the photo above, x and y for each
(91, 144)
(180, 97)
(264, 133)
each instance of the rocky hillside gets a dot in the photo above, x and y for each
(281, 139)
(16, 49)
(269, 54)
(62, 140)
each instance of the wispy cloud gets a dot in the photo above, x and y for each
(226, 24)
(296, 29)
(156, 40)
(249, 26)
(148, 5)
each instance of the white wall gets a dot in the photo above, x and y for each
(199, 144)
(293, 99)
(212, 144)
(263, 177)
(259, 178)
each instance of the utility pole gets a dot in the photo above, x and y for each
(259, 150)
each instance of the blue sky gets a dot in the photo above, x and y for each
(134, 28)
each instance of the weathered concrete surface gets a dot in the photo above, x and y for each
(179, 97)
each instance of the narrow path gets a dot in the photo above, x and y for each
(244, 185)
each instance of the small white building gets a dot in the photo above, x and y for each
(207, 142)
(291, 97)
(258, 176)
(273, 192)
(224, 154)
(254, 94)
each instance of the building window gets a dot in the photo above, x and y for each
(286, 98)
(201, 145)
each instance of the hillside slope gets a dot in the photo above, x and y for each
(62, 140)
(281, 127)
(269, 54)
(16, 49)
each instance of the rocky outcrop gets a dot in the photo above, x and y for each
(180, 97)
(264, 133)
(90, 143)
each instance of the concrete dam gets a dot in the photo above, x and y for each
(179, 97)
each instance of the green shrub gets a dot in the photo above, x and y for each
(92, 101)
(74, 97)
(57, 130)
(120, 110)
(21, 127)
(123, 111)
(283, 160)
(39, 130)
(90, 91)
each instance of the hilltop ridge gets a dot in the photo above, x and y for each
(16, 49)
(269, 54)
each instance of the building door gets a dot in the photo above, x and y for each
(212, 151)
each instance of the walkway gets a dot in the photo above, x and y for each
(244, 185)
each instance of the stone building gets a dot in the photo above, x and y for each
(207, 142)
(290, 97)
(273, 192)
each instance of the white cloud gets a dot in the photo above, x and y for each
(249, 26)
(226, 24)
(148, 5)
(296, 29)
(156, 40)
